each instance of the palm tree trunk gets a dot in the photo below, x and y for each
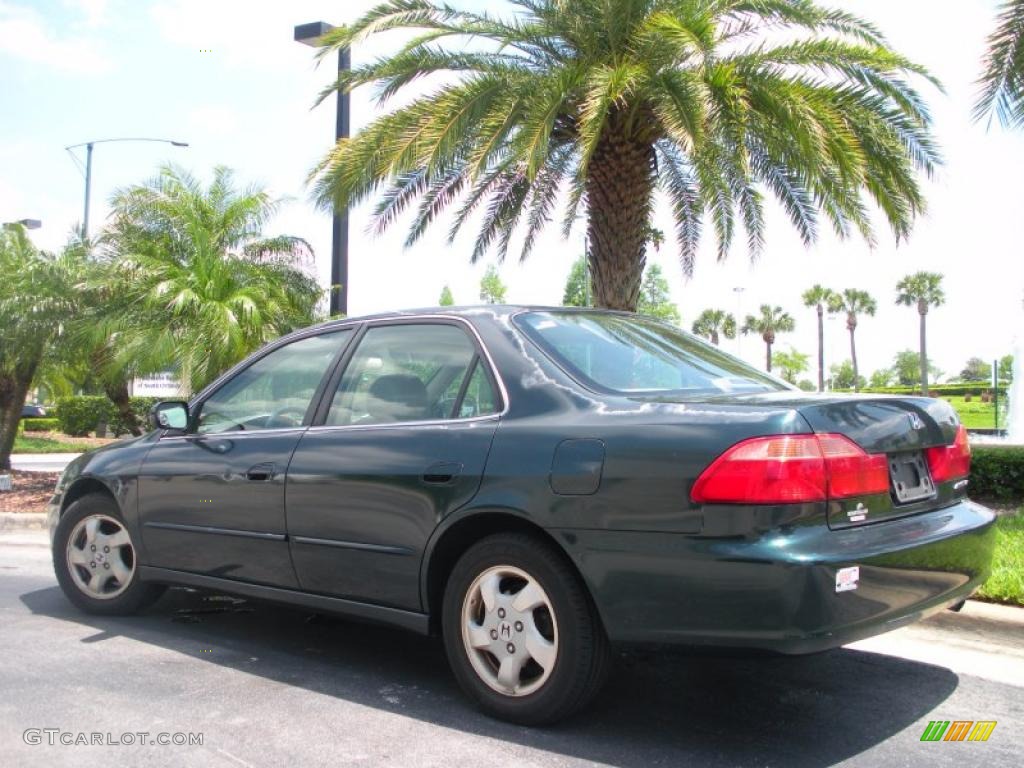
(619, 187)
(853, 359)
(118, 395)
(714, 337)
(768, 355)
(15, 391)
(923, 311)
(821, 348)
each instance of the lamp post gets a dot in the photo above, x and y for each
(88, 167)
(311, 35)
(26, 223)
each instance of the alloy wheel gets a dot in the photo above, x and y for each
(100, 557)
(509, 630)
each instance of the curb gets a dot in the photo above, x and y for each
(22, 521)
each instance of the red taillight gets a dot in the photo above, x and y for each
(791, 469)
(950, 462)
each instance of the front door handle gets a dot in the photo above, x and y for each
(260, 473)
(442, 473)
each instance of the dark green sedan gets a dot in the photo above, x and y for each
(539, 486)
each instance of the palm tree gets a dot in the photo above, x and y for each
(853, 302)
(208, 288)
(923, 289)
(714, 323)
(37, 301)
(771, 321)
(1003, 79)
(607, 103)
(819, 297)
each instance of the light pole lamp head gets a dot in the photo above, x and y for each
(312, 33)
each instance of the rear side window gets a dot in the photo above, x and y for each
(634, 355)
(410, 373)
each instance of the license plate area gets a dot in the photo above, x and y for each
(910, 476)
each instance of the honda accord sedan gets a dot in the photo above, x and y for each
(538, 486)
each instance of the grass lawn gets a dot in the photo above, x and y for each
(976, 414)
(55, 442)
(35, 444)
(1006, 584)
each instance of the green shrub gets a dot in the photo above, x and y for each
(997, 472)
(80, 415)
(40, 425)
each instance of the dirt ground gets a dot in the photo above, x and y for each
(31, 491)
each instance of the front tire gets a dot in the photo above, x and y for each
(96, 561)
(521, 634)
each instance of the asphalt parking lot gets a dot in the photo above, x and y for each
(269, 686)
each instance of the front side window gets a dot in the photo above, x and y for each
(275, 391)
(634, 355)
(409, 373)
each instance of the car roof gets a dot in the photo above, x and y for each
(466, 311)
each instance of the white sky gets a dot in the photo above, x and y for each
(225, 76)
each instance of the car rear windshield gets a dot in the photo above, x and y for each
(635, 355)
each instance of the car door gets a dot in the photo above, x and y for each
(211, 501)
(401, 440)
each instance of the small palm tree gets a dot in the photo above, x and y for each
(607, 103)
(713, 323)
(208, 287)
(771, 321)
(37, 301)
(1002, 81)
(923, 289)
(853, 302)
(819, 297)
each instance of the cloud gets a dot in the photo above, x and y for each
(212, 120)
(26, 35)
(94, 12)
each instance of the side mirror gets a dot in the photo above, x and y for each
(169, 414)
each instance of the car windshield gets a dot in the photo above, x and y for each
(636, 355)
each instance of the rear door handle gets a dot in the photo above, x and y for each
(442, 473)
(260, 473)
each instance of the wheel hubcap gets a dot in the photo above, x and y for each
(509, 630)
(100, 557)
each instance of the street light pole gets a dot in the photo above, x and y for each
(88, 167)
(311, 35)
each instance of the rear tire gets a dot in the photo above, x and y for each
(521, 633)
(96, 561)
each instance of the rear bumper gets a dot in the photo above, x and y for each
(776, 590)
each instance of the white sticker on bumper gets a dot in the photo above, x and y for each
(847, 578)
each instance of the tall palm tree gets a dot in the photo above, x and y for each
(708, 102)
(923, 289)
(208, 286)
(1002, 81)
(714, 323)
(818, 296)
(853, 302)
(771, 321)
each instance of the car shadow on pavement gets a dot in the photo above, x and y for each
(658, 708)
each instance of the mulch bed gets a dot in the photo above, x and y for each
(31, 491)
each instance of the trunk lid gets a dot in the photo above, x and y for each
(902, 428)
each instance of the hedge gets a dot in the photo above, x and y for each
(40, 425)
(80, 415)
(997, 472)
(942, 390)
